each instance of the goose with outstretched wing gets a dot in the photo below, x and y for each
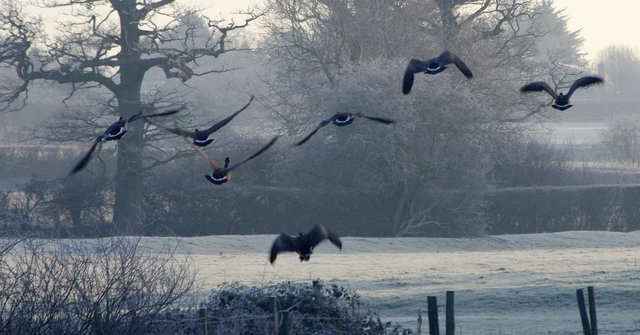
(561, 101)
(201, 137)
(343, 119)
(303, 244)
(114, 132)
(221, 175)
(432, 66)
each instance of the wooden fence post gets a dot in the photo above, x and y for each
(97, 319)
(202, 312)
(275, 314)
(586, 328)
(592, 311)
(450, 325)
(419, 330)
(432, 305)
(284, 325)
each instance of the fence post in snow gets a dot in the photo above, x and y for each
(586, 328)
(419, 331)
(202, 312)
(450, 325)
(284, 325)
(432, 305)
(592, 311)
(275, 314)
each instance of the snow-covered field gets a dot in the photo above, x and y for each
(510, 284)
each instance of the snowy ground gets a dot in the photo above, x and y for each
(512, 284)
(509, 284)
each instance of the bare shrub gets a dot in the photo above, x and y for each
(104, 287)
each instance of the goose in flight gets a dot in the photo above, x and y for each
(221, 175)
(114, 132)
(561, 101)
(343, 119)
(432, 66)
(201, 137)
(303, 244)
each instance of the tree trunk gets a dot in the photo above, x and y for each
(128, 216)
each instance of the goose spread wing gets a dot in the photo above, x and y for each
(257, 153)
(584, 82)
(226, 120)
(83, 162)
(282, 243)
(378, 119)
(448, 58)
(322, 124)
(539, 86)
(202, 153)
(320, 233)
(415, 65)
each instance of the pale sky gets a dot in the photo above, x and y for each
(603, 22)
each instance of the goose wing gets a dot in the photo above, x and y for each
(320, 233)
(414, 66)
(226, 120)
(256, 154)
(282, 243)
(174, 130)
(202, 153)
(448, 57)
(322, 124)
(584, 82)
(539, 86)
(378, 119)
(141, 116)
(83, 162)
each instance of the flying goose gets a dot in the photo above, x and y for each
(561, 101)
(220, 175)
(432, 66)
(343, 119)
(201, 137)
(114, 132)
(303, 244)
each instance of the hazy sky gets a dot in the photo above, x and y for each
(603, 22)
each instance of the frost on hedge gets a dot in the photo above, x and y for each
(313, 309)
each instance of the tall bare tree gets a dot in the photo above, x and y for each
(110, 45)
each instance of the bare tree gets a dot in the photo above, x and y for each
(109, 46)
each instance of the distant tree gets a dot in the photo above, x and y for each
(622, 140)
(109, 46)
(621, 67)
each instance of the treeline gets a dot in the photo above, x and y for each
(534, 188)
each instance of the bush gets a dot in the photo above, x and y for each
(313, 309)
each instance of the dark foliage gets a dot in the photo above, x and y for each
(313, 309)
